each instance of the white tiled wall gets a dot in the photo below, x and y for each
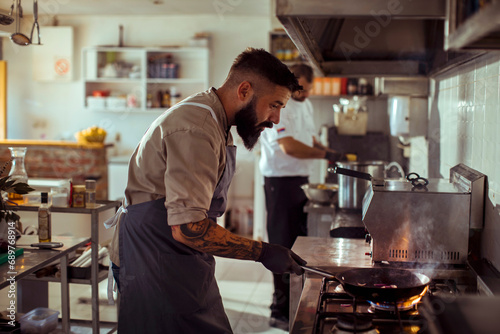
(464, 121)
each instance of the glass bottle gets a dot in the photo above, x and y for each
(44, 220)
(17, 170)
(90, 194)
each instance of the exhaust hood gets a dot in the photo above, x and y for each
(366, 37)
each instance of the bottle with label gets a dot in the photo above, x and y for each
(352, 86)
(78, 196)
(44, 220)
(90, 186)
(166, 99)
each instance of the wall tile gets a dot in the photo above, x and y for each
(492, 67)
(480, 66)
(479, 92)
(470, 113)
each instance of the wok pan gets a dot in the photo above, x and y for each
(389, 285)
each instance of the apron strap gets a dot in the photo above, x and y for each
(201, 105)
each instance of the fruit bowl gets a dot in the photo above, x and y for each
(93, 134)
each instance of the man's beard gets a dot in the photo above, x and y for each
(246, 124)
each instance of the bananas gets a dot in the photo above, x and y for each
(93, 134)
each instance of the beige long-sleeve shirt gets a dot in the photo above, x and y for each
(181, 157)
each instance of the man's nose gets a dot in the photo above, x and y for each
(275, 116)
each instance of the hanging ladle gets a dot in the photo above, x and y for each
(35, 23)
(18, 37)
(7, 19)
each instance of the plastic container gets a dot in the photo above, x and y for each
(96, 102)
(59, 197)
(351, 123)
(39, 321)
(116, 102)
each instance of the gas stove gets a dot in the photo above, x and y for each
(338, 312)
(320, 305)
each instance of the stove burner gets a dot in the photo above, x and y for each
(389, 307)
(350, 323)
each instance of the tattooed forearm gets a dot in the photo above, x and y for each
(206, 236)
(195, 230)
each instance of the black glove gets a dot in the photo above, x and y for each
(333, 156)
(280, 260)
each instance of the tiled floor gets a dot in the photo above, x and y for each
(245, 286)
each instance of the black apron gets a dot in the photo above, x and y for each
(167, 287)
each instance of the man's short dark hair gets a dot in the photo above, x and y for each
(303, 70)
(264, 64)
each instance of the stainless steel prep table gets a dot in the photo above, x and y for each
(34, 259)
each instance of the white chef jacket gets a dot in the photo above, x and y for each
(296, 121)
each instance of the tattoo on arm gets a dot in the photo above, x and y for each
(195, 230)
(206, 236)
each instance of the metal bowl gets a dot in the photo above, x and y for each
(321, 193)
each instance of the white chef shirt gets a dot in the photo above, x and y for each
(296, 120)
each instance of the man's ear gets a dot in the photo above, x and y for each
(245, 91)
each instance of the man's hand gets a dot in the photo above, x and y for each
(280, 260)
(333, 156)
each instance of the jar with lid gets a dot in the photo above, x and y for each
(90, 194)
(362, 86)
(79, 196)
(352, 86)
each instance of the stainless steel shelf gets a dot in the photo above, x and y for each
(96, 275)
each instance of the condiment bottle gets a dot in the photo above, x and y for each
(44, 220)
(352, 86)
(90, 193)
(78, 196)
(362, 86)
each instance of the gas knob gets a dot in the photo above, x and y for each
(368, 238)
(368, 254)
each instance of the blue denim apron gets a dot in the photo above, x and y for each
(166, 286)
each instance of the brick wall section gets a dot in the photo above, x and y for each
(65, 162)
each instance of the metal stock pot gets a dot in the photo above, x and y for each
(352, 189)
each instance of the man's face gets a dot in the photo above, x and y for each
(260, 113)
(303, 94)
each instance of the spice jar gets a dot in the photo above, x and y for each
(78, 196)
(90, 186)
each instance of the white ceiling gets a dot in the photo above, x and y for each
(143, 7)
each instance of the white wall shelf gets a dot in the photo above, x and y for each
(144, 73)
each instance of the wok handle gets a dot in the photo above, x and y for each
(353, 173)
(319, 271)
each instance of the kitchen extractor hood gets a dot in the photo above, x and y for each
(366, 37)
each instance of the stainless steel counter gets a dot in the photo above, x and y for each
(322, 219)
(335, 254)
